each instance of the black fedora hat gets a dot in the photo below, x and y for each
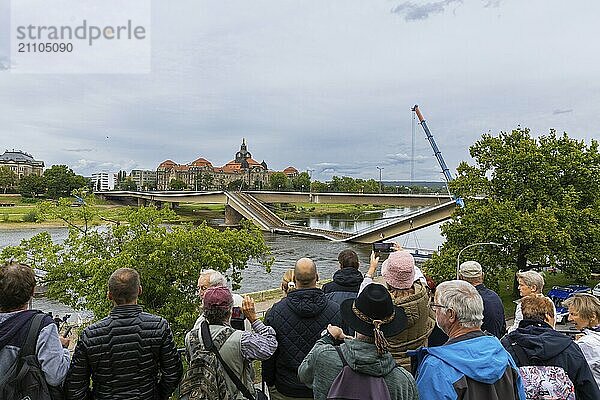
(373, 303)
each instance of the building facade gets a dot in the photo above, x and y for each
(243, 172)
(21, 163)
(144, 179)
(104, 181)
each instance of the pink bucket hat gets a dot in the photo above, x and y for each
(399, 269)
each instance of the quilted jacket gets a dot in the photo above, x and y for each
(129, 355)
(298, 320)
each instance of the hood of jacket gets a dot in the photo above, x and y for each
(349, 277)
(539, 341)
(362, 357)
(11, 323)
(482, 359)
(307, 302)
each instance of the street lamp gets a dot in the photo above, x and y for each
(379, 168)
(468, 247)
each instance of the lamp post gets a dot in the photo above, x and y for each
(379, 168)
(468, 247)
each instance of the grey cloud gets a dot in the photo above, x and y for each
(78, 150)
(88, 167)
(413, 12)
(492, 3)
(556, 112)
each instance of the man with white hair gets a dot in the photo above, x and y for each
(211, 278)
(471, 365)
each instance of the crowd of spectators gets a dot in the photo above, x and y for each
(403, 338)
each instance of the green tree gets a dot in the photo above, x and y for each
(177, 184)
(301, 182)
(128, 184)
(539, 198)
(7, 178)
(344, 184)
(32, 186)
(278, 181)
(319, 187)
(61, 181)
(169, 261)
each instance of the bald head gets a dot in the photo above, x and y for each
(305, 273)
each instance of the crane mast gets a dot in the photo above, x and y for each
(438, 154)
(436, 150)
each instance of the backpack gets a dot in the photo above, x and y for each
(546, 383)
(25, 379)
(352, 385)
(543, 382)
(205, 376)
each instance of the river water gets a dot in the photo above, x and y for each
(285, 249)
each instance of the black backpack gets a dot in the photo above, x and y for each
(25, 379)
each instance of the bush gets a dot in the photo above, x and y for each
(5, 217)
(31, 216)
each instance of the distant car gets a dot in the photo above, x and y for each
(596, 290)
(558, 294)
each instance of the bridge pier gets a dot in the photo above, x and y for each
(141, 202)
(232, 217)
(174, 205)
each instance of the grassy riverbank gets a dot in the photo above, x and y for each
(25, 213)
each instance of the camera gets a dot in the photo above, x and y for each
(383, 247)
(237, 318)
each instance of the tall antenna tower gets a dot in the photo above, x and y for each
(412, 153)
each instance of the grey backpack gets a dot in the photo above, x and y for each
(205, 376)
(352, 385)
(25, 380)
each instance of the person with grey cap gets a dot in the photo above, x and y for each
(494, 321)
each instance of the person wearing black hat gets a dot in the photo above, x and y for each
(373, 317)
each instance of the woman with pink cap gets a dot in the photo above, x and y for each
(408, 288)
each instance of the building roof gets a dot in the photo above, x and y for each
(201, 162)
(290, 170)
(167, 164)
(19, 156)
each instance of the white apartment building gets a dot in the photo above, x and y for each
(104, 181)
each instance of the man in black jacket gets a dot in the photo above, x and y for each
(298, 319)
(494, 321)
(128, 355)
(346, 281)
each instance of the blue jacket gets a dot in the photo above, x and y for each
(473, 368)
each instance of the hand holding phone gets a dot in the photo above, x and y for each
(383, 247)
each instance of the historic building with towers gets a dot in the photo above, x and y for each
(241, 173)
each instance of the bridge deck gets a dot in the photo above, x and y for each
(248, 204)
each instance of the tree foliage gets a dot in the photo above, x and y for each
(32, 186)
(169, 260)
(278, 181)
(61, 181)
(7, 178)
(301, 181)
(539, 198)
(177, 184)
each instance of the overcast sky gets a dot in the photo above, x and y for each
(323, 85)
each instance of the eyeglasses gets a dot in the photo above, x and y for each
(433, 306)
